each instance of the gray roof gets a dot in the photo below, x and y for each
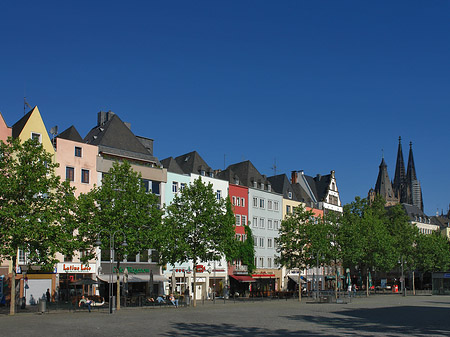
(319, 185)
(115, 137)
(248, 174)
(192, 162)
(171, 165)
(281, 184)
(414, 212)
(20, 124)
(71, 134)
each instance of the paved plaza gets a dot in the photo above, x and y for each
(380, 315)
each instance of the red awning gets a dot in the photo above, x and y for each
(263, 275)
(243, 278)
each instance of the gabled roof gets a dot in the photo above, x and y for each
(192, 162)
(247, 173)
(171, 165)
(319, 185)
(302, 195)
(71, 134)
(114, 137)
(383, 185)
(20, 124)
(414, 212)
(281, 184)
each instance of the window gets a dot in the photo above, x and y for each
(36, 136)
(262, 186)
(261, 223)
(275, 205)
(288, 209)
(22, 256)
(238, 220)
(155, 187)
(275, 225)
(269, 243)
(269, 188)
(269, 224)
(290, 195)
(202, 172)
(174, 187)
(242, 202)
(70, 173)
(255, 241)
(244, 220)
(238, 237)
(85, 176)
(131, 258)
(146, 185)
(219, 194)
(269, 262)
(182, 186)
(143, 256)
(261, 262)
(261, 242)
(238, 202)
(255, 222)
(77, 151)
(262, 203)
(234, 201)
(255, 202)
(269, 205)
(155, 256)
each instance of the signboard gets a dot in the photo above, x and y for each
(383, 283)
(75, 268)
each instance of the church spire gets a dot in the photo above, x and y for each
(414, 191)
(399, 185)
(383, 186)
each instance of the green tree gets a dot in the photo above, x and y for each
(35, 207)
(120, 209)
(245, 251)
(433, 252)
(198, 227)
(294, 241)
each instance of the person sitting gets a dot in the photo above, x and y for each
(173, 300)
(86, 302)
(160, 300)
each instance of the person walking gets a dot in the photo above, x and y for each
(47, 295)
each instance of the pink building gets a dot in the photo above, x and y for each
(5, 131)
(77, 160)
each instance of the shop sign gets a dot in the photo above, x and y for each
(200, 268)
(75, 268)
(132, 270)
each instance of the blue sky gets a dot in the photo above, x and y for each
(313, 85)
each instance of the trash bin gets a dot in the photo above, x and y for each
(42, 305)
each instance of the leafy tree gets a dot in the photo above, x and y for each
(198, 227)
(433, 252)
(35, 207)
(245, 250)
(294, 242)
(120, 209)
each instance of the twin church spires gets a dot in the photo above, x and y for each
(405, 188)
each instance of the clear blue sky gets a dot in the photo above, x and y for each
(315, 85)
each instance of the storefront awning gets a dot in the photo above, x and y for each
(263, 275)
(243, 278)
(295, 278)
(134, 278)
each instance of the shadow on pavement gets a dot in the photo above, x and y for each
(402, 320)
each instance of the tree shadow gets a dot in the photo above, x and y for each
(403, 320)
(193, 329)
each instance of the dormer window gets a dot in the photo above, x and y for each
(255, 184)
(211, 174)
(290, 195)
(202, 172)
(262, 186)
(236, 181)
(269, 188)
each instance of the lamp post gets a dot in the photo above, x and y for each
(111, 259)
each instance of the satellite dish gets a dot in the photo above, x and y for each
(54, 130)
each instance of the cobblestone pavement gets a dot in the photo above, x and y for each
(380, 315)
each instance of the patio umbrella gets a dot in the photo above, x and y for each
(85, 281)
(150, 283)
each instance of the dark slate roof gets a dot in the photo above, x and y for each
(414, 213)
(302, 195)
(319, 185)
(115, 138)
(71, 134)
(442, 221)
(281, 184)
(248, 174)
(383, 185)
(171, 165)
(192, 162)
(20, 124)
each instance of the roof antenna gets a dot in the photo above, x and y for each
(274, 167)
(25, 105)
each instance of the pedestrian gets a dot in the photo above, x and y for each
(187, 296)
(47, 294)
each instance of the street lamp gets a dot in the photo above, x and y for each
(98, 243)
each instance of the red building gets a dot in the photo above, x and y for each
(239, 199)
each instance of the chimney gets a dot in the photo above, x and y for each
(103, 117)
(294, 177)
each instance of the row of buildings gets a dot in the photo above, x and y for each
(259, 201)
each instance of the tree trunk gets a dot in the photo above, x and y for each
(299, 285)
(367, 285)
(118, 288)
(413, 284)
(335, 283)
(12, 306)
(194, 291)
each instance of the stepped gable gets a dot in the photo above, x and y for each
(171, 165)
(192, 162)
(319, 185)
(71, 134)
